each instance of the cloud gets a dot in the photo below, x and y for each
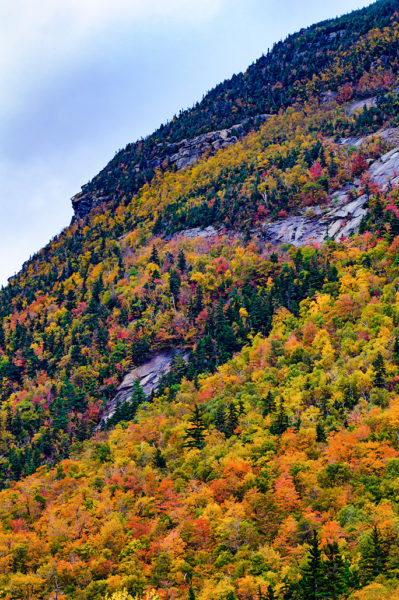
(37, 38)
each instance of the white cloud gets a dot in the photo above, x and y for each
(38, 37)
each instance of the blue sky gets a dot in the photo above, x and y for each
(80, 79)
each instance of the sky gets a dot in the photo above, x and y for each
(80, 79)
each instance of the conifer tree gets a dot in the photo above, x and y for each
(313, 584)
(181, 261)
(374, 556)
(159, 459)
(320, 433)
(232, 420)
(334, 569)
(379, 368)
(174, 283)
(194, 437)
(191, 595)
(154, 257)
(396, 350)
(281, 422)
(268, 404)
(220, 419)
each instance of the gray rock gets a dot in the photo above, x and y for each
(358, 105)
(148, 375)
(182, 155)
(340, 218)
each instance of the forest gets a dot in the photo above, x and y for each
(265, 463)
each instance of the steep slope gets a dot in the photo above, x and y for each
(261, 457)
(301, 66)
(298, 433)
(106, 295)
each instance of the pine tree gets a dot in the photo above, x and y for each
(374, 556)
(395, 351)
(194, 437)
(379, 368)
(220, 419)
(181, 261)
(334, 569)
(232, 420)
(320, 433)
(313, 580)
(154, 257)
(268, 404)
(137, 396)
(281, 422)
(191, 595)
(159, 459)
(174, 283)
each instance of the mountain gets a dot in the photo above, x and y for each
(303, 64)
(199, 376)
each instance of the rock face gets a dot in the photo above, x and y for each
(179, 155)
(148, 375)
(340, 218)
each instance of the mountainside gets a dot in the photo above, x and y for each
(199, 376)
(321, 59)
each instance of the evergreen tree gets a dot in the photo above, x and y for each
(374, 556)
(232, 420)
(220, 419)
(194, 437)
(320, 433)
(191, 595)
(174, 283)
(395, 351)
(281, 422)
(334, 569)
(181, 261)
(159, 459)
(313, 584)
(154, 257)
(379, 368)
(268, 404)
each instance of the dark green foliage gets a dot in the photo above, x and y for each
(375, 556)
(268, 404)
(379, 371)
(195, 433)
(154, 258)
(336, 584)
(320, 432)
(181, 261)
(174, 283)
(220, 419)
(280, 423)
(313, 583)
(159, 459)
(126, 410)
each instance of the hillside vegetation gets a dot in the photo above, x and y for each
(265, 465)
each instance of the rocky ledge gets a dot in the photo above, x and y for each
(340, 218)
(148, 375)
(178, 155)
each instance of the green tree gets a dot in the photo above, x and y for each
(334, 569)
(194, 437)
(232, 420)
(281, 422)
(268, 404)
(379, 370)
(375, 556)
(313, 584)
